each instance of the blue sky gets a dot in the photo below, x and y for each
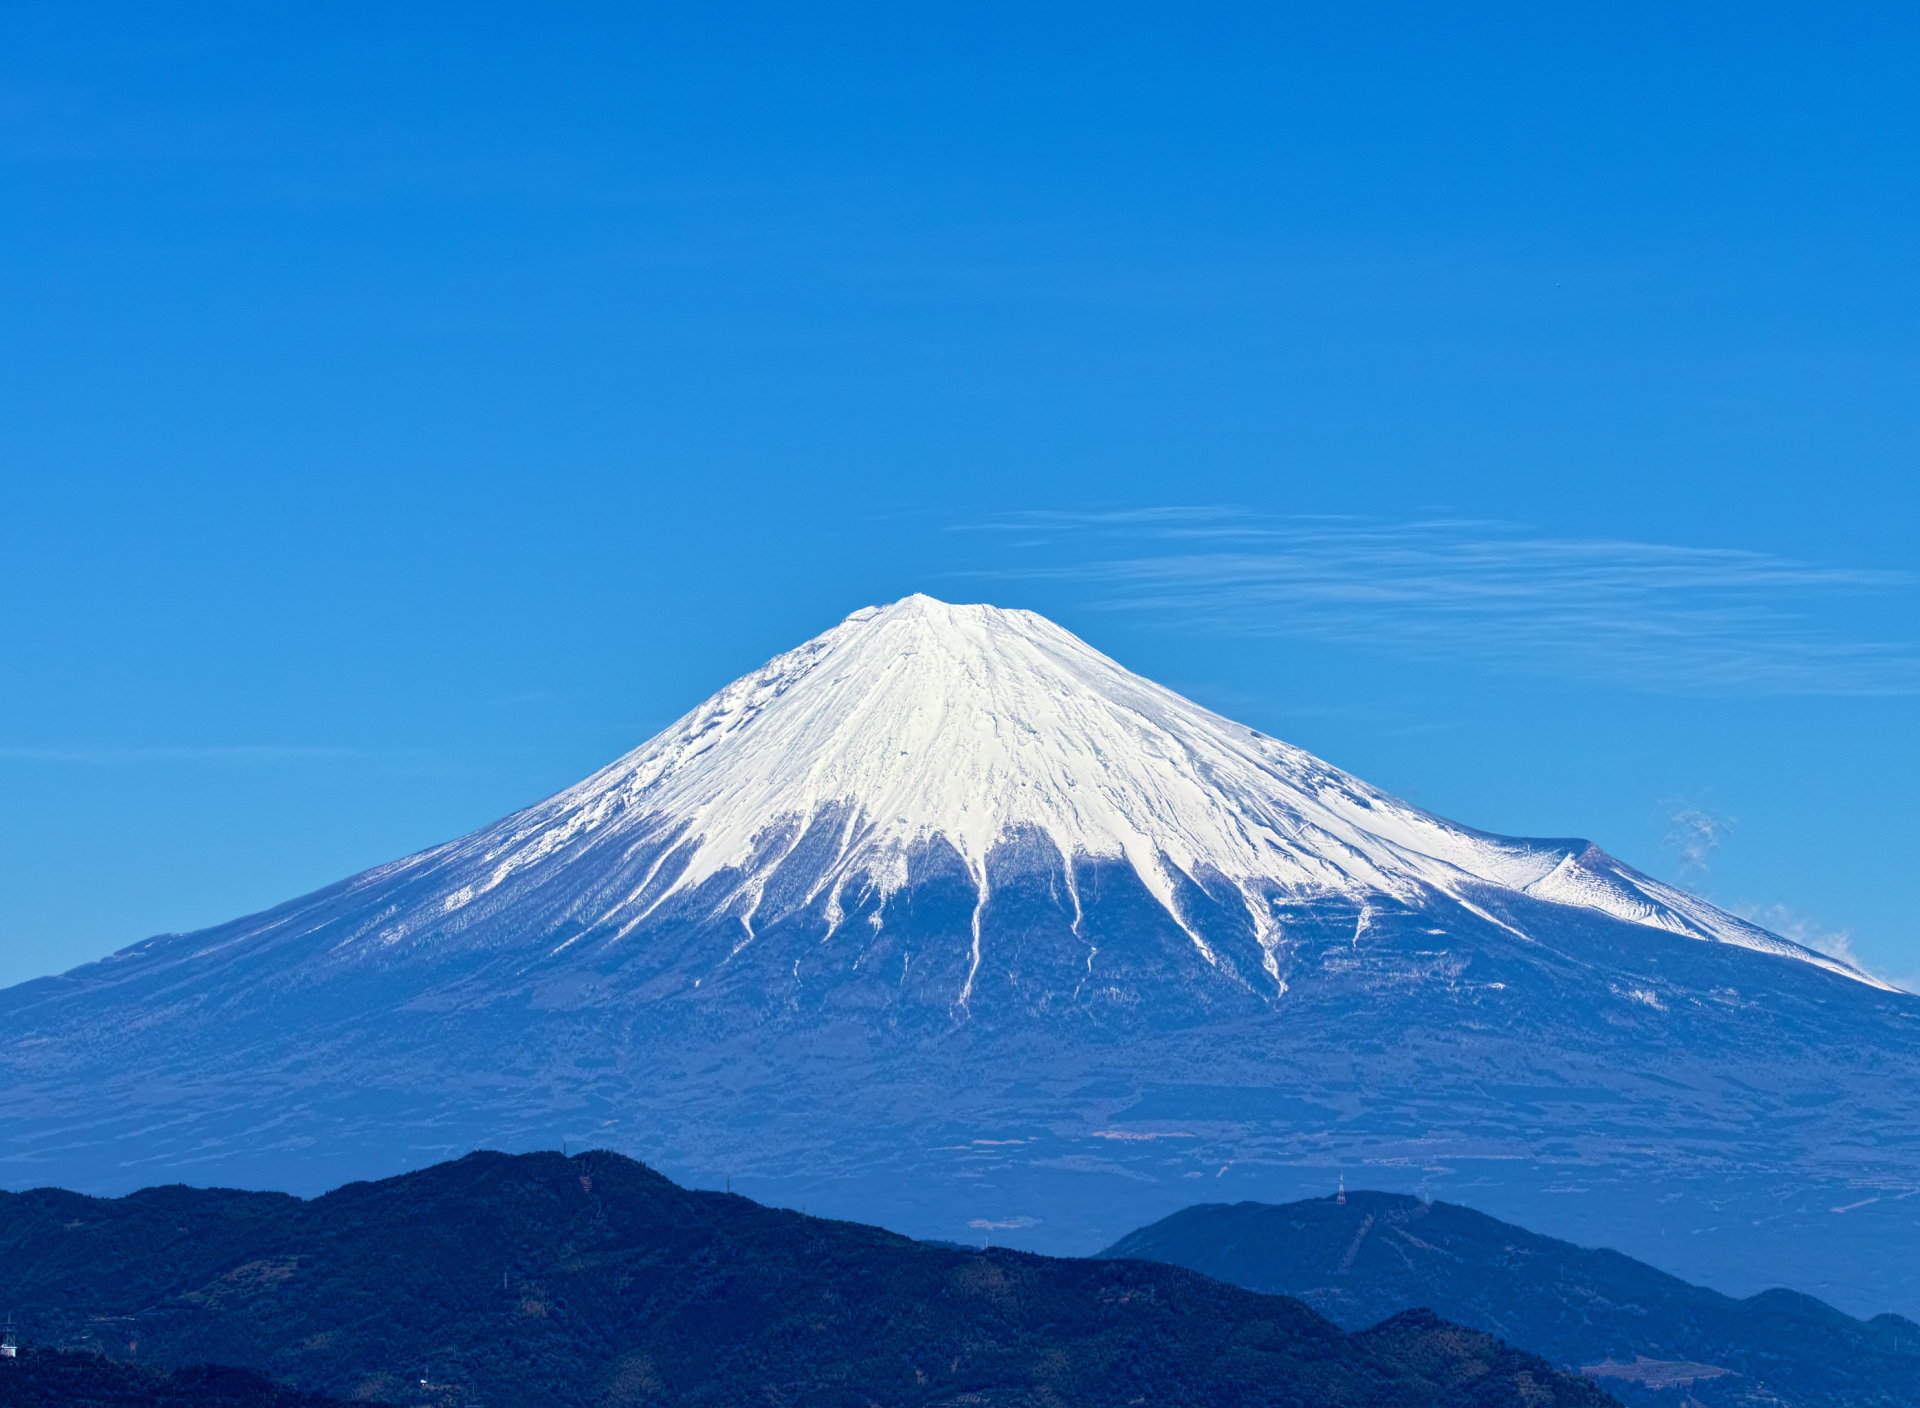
(405, 410)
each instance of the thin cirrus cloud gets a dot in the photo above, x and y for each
(1652, 616)
(233, 753)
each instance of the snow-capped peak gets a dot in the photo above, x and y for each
(976, 725)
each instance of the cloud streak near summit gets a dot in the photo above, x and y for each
(1656, 617)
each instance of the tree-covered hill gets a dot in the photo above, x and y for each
(1365, 1256)
(45, 1378)
(540, 1280)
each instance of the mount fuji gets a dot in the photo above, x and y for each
(944, 920)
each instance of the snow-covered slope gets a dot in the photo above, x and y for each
(924, 721)
(946, 920)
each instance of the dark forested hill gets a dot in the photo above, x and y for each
(537, 1279)
(41, 1378)
(1649, 1335)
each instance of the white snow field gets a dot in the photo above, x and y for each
(969, 724)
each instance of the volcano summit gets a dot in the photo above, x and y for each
(947, 921)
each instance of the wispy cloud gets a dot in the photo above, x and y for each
(1811, 933)
(234, 753)
(1694, 835)
(1808, 933)
(1650, 615)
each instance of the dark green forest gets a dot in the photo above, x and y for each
(1367, 1255)
(51, 1378)
(542, 1280)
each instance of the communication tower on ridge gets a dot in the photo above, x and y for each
(8, 1349)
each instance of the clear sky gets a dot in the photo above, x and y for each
(405, 409)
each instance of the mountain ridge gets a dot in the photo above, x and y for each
(1364, 1255)
(546, 1281)
(864, 1008)
(1013, 730)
